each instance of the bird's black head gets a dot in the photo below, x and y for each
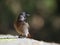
(22, 16)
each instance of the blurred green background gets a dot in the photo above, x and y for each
(48, 9)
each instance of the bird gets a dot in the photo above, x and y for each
(21, 26)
